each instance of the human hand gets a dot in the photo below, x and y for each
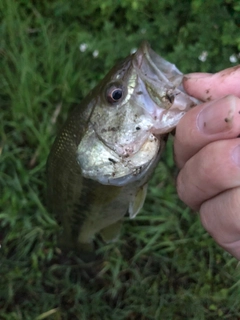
(207, 151)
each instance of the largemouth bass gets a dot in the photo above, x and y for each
(102, 159)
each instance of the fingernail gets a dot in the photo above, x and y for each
(217, 116)
(196, 75)
(236, 155)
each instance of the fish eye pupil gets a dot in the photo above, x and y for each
(114, 94)
(117, 94)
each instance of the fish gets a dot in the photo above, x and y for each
(101, 161)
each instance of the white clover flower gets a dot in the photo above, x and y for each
(133, 50)
(233, 58)
(83, 47)
(95, 53)
(203, 56)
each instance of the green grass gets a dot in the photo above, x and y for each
(165, 266)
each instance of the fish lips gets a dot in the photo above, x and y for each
(162, 95)
(152, 65)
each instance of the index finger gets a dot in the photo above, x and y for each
(207, 87)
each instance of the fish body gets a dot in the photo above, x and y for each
(101, 161)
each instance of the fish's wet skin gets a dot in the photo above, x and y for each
(101, 161)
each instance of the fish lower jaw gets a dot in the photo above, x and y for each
(117, 165)
(135, 175)
(133, 168)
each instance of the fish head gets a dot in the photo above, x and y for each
(136, 104)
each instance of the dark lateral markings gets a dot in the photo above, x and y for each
(112, 161)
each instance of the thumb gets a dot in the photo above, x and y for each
(207, 86)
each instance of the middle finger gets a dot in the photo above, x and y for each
(214, 169)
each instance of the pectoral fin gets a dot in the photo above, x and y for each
(137, 201)
(112, 232)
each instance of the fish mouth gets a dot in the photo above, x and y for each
(153, 65)
(162, 95)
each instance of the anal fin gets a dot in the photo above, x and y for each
(112, 232)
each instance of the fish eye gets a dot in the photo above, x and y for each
(114, 94)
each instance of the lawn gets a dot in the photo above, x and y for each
(164, 266)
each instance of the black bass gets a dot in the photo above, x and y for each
(101, 161)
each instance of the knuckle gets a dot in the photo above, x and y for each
(186, 189)
(180, 187)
